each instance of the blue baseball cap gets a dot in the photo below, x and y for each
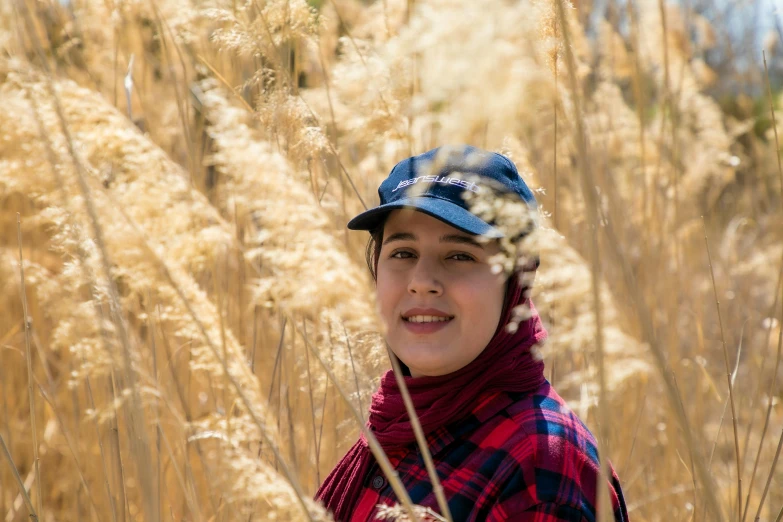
(436, 182)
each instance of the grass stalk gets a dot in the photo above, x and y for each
(71, 447)
(90, 278)
(421, 439)
(312, 408)
(109, 494)
(374, 445)
(769, 477)
(353, 370)
(643, 312)
(179, 388)
(774, 121)
(186, 492)
(769, 406)
(182, 101)
(216, 353)
(728, 377)
(604, 507)
(135, 418)
(18, 478)
(723, 413)
(771, 388)
(29, 358)
(311, 113)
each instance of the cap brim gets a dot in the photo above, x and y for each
(441, 209)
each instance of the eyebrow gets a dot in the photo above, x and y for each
(448, 238)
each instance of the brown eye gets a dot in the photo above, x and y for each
(462, 257)
(401, 254)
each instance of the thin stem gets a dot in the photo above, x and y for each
(15, 473)
(29, 357)
(728, 377)
(250, 408)
(312, 409)
(604, 507)
(135, 417)
(374, 445)
(644, 313)
(186, 492)
(769, 477)
(353, 370)
(71, 445)
(774, 122)
(421, 440)
(771, 389)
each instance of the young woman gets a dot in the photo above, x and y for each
(504, 444)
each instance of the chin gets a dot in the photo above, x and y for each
(427, 367)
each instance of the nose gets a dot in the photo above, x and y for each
(424, 279)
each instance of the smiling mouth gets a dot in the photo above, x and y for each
(427, 319)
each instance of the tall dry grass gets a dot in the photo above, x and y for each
(200, 328)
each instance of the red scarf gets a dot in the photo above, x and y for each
(506, 364)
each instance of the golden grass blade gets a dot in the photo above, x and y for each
(355, 375)
(112, 502)
(723, 413)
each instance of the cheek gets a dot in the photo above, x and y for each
(388, 293)
(482, 304)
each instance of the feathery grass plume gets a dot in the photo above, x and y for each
(430, 81)
(397, 513)
(453, 50)
(563, 280)
(306, 272)
(95, 44)
(249, 30)
(278, 36)
(699, 143)
(615, 63)
(184, 232)
(290, 235)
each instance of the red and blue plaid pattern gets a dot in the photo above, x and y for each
(517, 457)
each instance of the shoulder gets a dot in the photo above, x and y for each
(547, 422)
(554, 456)
(541, 422)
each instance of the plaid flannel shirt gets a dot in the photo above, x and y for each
(517, 457)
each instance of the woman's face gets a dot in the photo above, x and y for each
(436, 293)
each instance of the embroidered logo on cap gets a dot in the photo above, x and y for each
(444, 180)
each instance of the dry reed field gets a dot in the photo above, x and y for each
(188, 330)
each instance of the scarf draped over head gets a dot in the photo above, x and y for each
(506, 364)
